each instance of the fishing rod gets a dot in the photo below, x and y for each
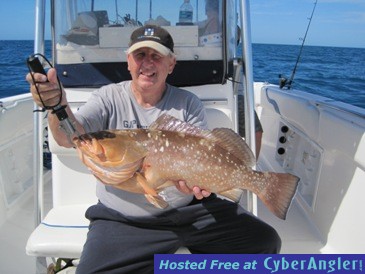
(284, 82)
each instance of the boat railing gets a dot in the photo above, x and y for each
(15, 148)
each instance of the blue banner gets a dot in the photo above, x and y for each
(260, 264)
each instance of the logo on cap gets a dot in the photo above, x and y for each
(149, 31)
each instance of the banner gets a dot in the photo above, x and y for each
(259, 263)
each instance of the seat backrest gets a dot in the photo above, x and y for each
(218, 118)
(72, 181)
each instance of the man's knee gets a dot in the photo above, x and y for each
(271, 241)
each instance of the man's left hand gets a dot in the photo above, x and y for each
(197, 191)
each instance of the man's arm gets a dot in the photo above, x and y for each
(50, 93)
(58, 133)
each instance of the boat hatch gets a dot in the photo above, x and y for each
(90, 41)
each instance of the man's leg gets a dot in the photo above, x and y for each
(116, 246)
(228, 228)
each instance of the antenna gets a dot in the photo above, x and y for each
(283, 81)
(150, 9)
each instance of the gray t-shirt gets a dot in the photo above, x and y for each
(115, 107)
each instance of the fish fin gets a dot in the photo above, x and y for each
(170, 123)
(164, 185)
(144, 184)
(150, 194)
(279, 193)
(232, 142)
(224, 137)
(232, 194)
(130, 185)
(157, 201)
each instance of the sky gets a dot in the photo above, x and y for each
(338, 23)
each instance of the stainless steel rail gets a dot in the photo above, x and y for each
(248, 89)
(38, 181)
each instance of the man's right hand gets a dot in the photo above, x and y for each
(50, 93)
(48, 90)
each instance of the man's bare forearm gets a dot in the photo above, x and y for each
(60, 136)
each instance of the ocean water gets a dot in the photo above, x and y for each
(12, 66)
(333, 72)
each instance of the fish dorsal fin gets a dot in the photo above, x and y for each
(224, 137)
(170, 123)
(232, 142)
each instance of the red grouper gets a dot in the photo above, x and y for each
(146, 161)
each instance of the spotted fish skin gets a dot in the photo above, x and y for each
(148, 160)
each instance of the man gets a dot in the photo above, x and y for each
(211, 24)
(241, 124)
(125, 230)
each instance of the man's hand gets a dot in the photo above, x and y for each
(199, 193)
(49, 91)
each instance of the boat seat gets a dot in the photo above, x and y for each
(62, 233)
(218, 118)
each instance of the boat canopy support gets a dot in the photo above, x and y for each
(38, 180)
(248, 89)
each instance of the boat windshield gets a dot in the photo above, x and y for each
(98, 31)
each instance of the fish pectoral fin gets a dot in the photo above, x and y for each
(141, 180)
(150, 193)
(157, 201)
(164, 185)
(232, 194)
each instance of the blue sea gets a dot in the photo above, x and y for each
(334, 72)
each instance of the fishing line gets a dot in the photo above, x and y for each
(284, 82)
(233, 81)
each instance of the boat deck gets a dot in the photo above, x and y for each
(16, 229)
(14, 233)
(297, 234)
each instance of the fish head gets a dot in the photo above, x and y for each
(110, 148)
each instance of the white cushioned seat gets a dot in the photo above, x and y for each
(62, 233)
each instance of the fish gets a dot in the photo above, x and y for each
(146, 161)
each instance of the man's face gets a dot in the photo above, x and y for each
(149, 68)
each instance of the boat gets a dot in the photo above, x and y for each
(45, 189)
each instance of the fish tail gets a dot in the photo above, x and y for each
(279, 192)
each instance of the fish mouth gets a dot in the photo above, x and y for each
(89, 144)
(100, 135)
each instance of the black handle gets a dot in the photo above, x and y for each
(35, 65)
